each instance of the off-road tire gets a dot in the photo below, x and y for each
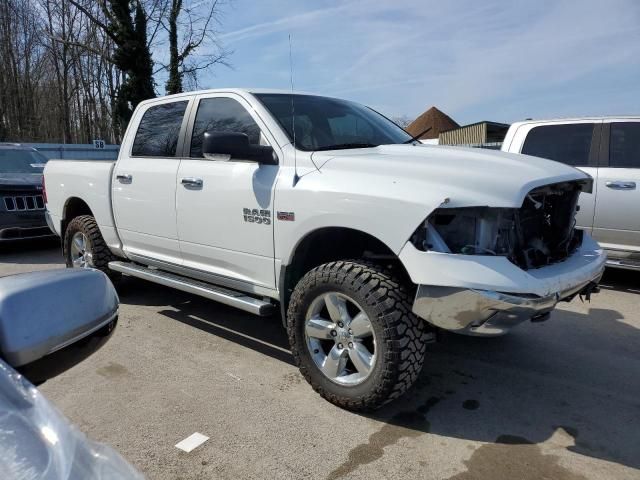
(99, 249)
(401, 335)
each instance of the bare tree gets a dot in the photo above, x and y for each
(189, 29)
(125, 23)
(74, 70)
(402, 121)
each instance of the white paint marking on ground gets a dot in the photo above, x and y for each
(235, 377)
(192, 441)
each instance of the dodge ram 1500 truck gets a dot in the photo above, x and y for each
(367, 240)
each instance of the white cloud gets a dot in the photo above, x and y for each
(473, 59)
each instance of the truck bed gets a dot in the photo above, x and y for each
(73, 182)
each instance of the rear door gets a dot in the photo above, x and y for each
(144, 183)
(576, 144)
(617, 216)
(225, 208)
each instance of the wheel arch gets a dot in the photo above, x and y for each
(73, 207)
(328, 244)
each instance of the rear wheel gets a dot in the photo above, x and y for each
(353, 334)
(84, 246)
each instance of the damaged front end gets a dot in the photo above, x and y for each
(536, 246)
(539, 233)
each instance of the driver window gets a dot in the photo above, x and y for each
(223, 115)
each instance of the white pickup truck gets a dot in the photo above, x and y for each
(367, 240)
(608, 149)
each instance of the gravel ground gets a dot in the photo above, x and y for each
(555, 400)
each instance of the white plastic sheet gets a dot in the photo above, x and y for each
(38, 443)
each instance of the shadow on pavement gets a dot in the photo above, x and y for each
(262, 334)
(572, 382)
(36, 251)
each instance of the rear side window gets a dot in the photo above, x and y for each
(222, 115)
(159, 129)
(569, 144)
(624, 145)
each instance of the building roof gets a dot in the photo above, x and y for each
(489, 123)
(434, 119)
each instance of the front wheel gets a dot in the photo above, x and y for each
(84, 246)
(353, 334)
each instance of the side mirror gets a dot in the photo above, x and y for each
(236, 145)
(54, 319)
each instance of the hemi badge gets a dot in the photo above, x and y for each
(286, 216)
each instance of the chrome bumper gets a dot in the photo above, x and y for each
(487, 313)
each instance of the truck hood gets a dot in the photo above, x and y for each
(20, 181)
(462, 176)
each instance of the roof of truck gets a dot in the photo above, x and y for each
(577, 119)
(236, 90)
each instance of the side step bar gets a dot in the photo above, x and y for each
(623, 263)
(223, 295)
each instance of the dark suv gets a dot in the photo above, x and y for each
(22, 206)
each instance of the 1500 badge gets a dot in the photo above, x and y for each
(253, 215)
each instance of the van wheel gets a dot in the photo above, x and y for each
(84, 246)
(353, 335)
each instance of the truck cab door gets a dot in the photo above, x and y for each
(144, 182)
(225, 207)
(575, 144)
(617, 217)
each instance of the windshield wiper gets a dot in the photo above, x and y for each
(416, 138)
(341, 146)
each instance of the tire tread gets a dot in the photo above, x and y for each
(405, 334)
(101, 253)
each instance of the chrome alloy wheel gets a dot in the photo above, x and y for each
(340, 339)
(81, 255)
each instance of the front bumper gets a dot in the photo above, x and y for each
(22, 225)
(8, 234)
(486, 301)
(486, 313)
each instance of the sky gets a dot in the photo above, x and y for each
(475, 60)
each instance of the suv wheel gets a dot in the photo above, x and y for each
(353, 334)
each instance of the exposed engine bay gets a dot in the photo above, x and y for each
(539, 233)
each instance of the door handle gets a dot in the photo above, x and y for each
(191, 182)
(124, 178)
(621, 185)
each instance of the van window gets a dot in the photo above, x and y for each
(624, 145)
(159, 129)
(222, 114)
(569, 144)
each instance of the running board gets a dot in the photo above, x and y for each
(223, 295)
(623, 263)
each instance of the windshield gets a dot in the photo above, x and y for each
(323, 123)
(21, 161)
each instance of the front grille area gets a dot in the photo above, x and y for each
(23, 203)
(541, 232)
(545, 230)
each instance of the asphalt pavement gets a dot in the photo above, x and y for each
(553, 400)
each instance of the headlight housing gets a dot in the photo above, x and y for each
(539, 233)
